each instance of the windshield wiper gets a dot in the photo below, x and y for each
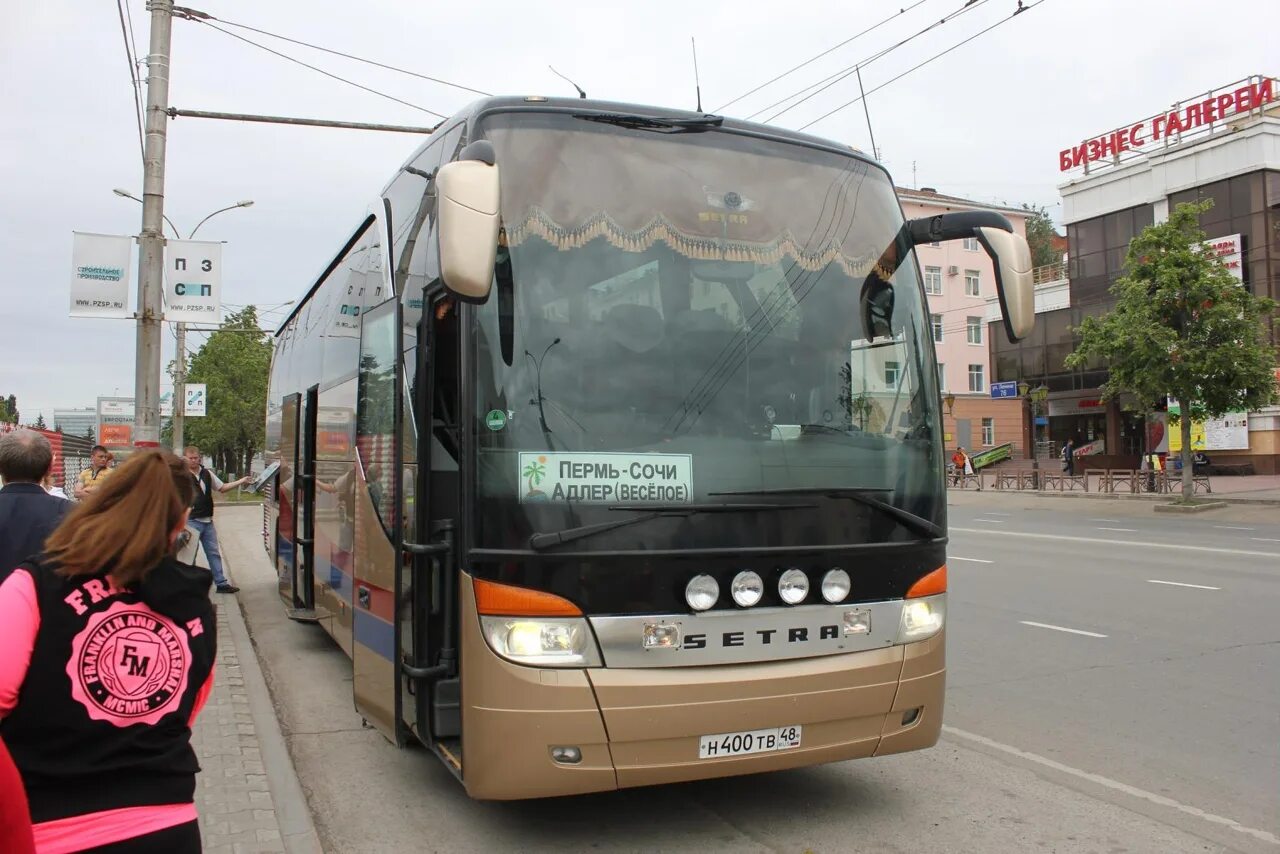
(657, 123)
(649, 511)
(860, 494)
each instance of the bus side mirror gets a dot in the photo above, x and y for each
(1012, 260)
(467, 190)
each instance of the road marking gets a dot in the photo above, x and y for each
(969, 559)
(1264, 540)
(1231, 528)
(1112, 521)
(1114, 785)
(1181, 584)
(1061, 629)
(991, 521)
(1124, 530)
(1136, 543)
(994, 513)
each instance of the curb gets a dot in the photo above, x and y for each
(1120, 496)
(1189, 508)
(297, 830)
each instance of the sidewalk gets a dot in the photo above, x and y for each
(1247, 489)
(247, 793)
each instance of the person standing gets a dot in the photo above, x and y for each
(28, 514)
(1069, 457)
(95, 475)
(106, 659)
(206, 483)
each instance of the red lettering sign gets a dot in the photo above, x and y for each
(1212, 109)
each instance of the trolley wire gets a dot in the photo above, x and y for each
(1021, 8)
(317, 69)
(816, 57)
(205, 17)
(131, 59)
(827, 82)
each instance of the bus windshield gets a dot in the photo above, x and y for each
(691, 318)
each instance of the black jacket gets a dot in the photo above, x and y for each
(103, 719)
(28, 514)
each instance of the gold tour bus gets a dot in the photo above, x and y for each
(609, 449)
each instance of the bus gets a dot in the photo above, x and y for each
(608, 447)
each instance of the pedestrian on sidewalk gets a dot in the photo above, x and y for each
(106, 658)
(1069, 457)
(95, 475)
(28, 514)
(206, 482)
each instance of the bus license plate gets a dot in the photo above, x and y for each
(752, 741)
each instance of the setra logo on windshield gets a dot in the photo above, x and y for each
(761, 637)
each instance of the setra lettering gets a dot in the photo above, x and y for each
(797, 635)
(695, 642)
(766, 635)
(733, 639)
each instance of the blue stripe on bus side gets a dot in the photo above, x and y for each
(378, 635)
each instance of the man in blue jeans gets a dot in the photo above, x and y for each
(201, 519)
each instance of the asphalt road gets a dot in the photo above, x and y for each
(1089, 709)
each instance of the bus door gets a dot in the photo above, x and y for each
(430, 693)
(379, 500)
(289, 561)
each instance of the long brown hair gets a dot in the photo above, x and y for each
(127, 523)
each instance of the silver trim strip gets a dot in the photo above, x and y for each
(744, 636)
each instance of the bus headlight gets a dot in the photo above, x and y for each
(701, 592)
(836, 585)
(747, 588)
(922, 618)
(542, 642)
(793, 586)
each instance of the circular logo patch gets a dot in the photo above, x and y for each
(495, 420)
(129, 665)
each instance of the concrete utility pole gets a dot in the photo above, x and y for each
(146, 385)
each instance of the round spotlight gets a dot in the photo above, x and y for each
(835, 585)
(747, 588)
(793, 586)
(701, 592)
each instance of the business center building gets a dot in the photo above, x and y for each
(1223, 144)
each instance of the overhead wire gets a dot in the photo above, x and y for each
(204, 17)
(1021, 8)
(318, 70)
(848, 71)
(816, 57)
(130, 58)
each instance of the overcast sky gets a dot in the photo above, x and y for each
(985, 121)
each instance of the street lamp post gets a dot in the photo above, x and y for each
(1033, 396)
(180, 361)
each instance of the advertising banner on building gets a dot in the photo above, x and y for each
(193, 281)
(1229, 252)
(1228, 433)
(100, 274)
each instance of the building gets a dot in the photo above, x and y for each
(1224, 145)
(76, 422)
(959, 278)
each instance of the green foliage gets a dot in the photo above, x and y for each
(9, 409)
(1040, 234)
(40, 425)
(234, 366)
(1183, 327)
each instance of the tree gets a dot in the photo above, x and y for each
(1183, 327)
(9, 409)
(40, 425)
(1040, 235)
(233, 364)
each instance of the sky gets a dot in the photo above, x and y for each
(985, 121)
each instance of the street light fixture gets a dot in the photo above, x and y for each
(950, 400)
(1033, 396)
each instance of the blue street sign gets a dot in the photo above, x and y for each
(1007, 389)
(1042, 421)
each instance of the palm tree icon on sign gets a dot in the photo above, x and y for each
(535, 471)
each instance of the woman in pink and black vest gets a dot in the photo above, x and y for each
(105, 659)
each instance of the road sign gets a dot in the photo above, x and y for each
(1007, 389)
(196, 400)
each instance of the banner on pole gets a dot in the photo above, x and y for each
(197, 401)
(193, 281)
(100, 274)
